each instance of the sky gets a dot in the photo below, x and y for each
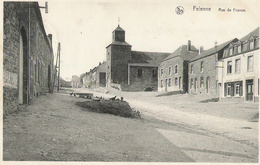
(84, 27)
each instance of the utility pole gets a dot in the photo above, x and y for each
(57, 67)
(58, 54)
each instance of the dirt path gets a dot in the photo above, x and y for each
(53, 128)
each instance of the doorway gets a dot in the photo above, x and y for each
(23, 69)
(195, 85)
(249, 90)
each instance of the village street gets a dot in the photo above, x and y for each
(54, 128)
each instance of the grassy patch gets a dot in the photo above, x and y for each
(117, 107)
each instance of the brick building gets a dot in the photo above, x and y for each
(130, 70)
(203, 70)
(173, 71)
(240, 69)
(27, 55)
(96, 77)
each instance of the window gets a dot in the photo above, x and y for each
(176, 68)
(231, 51)
(155, 73)
(229, 67)
(201, 82)
(161, 72)
(161, 83)
(237, 89)
(239, 49)
(170, 70)
(176, 81)
(201, 66)
(250, 63)
(169, 84)
(191, 69)
(191, 83)
(140, 73)
(237, 66)
(251, 45)
(235, 49)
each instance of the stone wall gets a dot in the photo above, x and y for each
(179, 76)
(120, 55)
(35, 71)
(209, 71)
(142, 80)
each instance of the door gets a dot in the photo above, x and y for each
(166, 81)
(195, 85)
(207, 85)
(249, 90)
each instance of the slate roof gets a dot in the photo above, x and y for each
(119, 29)
(147, 58)
(254, 33)
(212, 50)
(183, 53)
(119, 43)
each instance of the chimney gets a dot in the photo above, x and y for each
(99, 63)
(201, 49)
(189, 45)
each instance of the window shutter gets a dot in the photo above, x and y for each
(232, 89)
(225, 89)
(241, 88)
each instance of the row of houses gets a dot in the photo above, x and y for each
(28, 68)
(227, 70)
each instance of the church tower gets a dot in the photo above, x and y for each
(118, 55)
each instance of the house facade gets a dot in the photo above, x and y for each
(28, 68)
(240, 74)
(95, 77)
(203, 69)
(173, 71)
(130, 70)
(75, 81)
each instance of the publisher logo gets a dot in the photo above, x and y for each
(179, 10)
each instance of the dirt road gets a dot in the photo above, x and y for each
(53, 128)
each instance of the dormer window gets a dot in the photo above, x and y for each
(245, 46)
(251, 45)
(239, 48)
(231, 51)
(235, 49)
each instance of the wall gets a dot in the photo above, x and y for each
(208, 71)
(36, 68)
(120, 55)
(165, 66)
(243, 75)
(140, 83)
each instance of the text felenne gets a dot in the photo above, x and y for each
(195, 8)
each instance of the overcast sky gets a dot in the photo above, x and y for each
(84, 28)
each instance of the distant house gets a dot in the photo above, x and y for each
(240, 74)
(173, 71)
(203, 70)
(96, 77)
(131, 70)
(75, 81)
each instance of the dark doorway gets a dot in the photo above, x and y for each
(23, 69)
(249, 90)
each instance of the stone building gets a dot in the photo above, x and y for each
(27, 55)
(96, 77)
(130, 70)
(173, 71)
(203, 70)
(75, 81)
(240, 70)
